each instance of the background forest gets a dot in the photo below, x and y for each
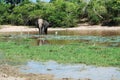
(61, 13)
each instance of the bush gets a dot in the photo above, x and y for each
(113, 12)
(61, 13)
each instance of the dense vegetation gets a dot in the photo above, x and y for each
(62, 13)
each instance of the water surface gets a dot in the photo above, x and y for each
(36, 40)
(75, 71)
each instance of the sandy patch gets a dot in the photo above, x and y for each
(6, 77)
(10, 28)
(80, 30)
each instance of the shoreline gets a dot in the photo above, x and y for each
(11, 28)
(80, 30)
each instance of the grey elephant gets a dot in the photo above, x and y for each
(42, 25)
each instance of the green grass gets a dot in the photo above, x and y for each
(70, 53)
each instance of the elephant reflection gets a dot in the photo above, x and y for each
(42, 25)
(41, 42)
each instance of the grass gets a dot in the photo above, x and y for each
(69, 53)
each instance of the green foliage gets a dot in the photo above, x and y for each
(61, 13)
(113, 8)
(3, 13)
(70, 53)
(13, 1)
(96, 9)
(64, 14)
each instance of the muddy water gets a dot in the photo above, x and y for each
(109, 41)
(75, 71)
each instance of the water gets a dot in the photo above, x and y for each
(75, 71)
(109, 41)
(36, 40)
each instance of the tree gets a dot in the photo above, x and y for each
(3, 12)
(64, 14)
(21, 14)
(113, 9)
(61, 13)
(12, 3)
(95, 11)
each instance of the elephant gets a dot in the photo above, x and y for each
(42, 25)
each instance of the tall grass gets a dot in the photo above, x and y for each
(69, 53)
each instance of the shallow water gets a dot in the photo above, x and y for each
(109, 41)
(75, 71)
(36, 40)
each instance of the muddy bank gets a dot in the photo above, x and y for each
(6, 77)
(9, 29)
(80, 30)
(8, 72)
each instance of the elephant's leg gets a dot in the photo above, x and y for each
(39, 31)
(46, 25)
(45, 30)
(42, 30)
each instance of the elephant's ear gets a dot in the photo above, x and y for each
(50, 24)
(45, 23)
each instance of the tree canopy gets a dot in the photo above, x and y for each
(62, 13)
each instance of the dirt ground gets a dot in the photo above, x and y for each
(8, 72)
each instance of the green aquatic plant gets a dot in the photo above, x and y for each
(86, 53)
